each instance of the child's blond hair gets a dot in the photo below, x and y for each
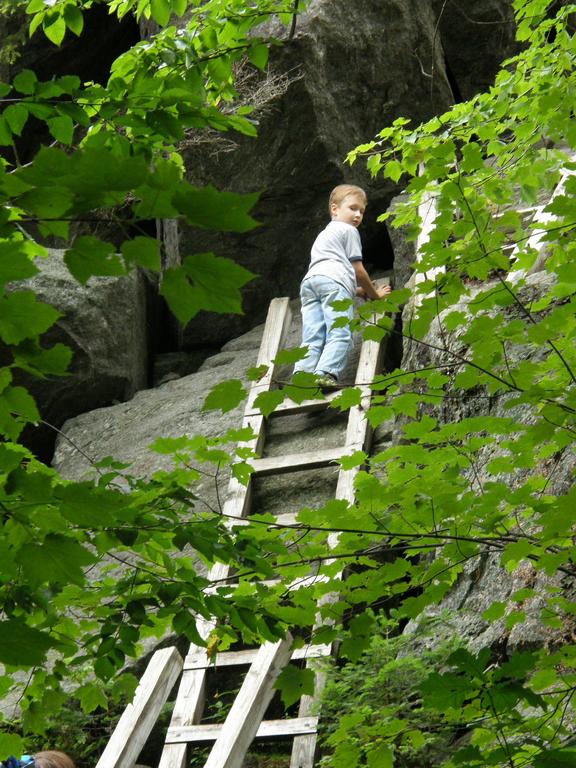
(343, 190)
(52, 759)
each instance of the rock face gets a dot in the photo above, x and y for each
(476, 37)
(484, 581)
(349, 70)
(354, 68)
(105, 325)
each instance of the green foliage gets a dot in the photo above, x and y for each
(225, 396)
(372, 711)
(12, 44)
(80, 728)
(456, 491)
(507, 338)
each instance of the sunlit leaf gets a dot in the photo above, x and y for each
(22, 316)
(190, 288)
(143, 251)
(90, 257)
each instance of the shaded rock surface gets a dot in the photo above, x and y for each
(126, 430)
(174, 408)
(476, 37)
(349, 70)
(104, 323)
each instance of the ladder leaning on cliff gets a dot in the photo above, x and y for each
(245, 719)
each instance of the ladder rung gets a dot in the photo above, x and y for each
(239, 658)
(289, 407)
(296, 726)
(519, 211)
(276, 465)
(286, 518)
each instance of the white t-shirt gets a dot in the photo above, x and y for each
(333, 252)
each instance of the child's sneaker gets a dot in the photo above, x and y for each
(326, 382)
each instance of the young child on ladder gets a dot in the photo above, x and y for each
(336, 272)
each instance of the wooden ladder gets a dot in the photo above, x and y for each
(244, 722)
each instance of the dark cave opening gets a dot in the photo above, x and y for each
(377, 247)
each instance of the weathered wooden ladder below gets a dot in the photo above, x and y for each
(245, 718)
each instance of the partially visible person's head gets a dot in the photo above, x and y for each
(344, 190)
(48, 759)
(52, 759)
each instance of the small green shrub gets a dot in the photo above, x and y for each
(372, 708)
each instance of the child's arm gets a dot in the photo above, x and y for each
(366, 285)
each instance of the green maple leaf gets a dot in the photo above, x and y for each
(91, 697)
(22, 316)
(555, 758)
(210, 209)
(293, 683)
(143, 251)
(11, 744)
(21, 645)
(57, 559)
(267, 402)
(225, 396)
(204, 282)
(90, 256)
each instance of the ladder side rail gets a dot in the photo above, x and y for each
(358, 432)
(189, 705)
(275, 332)
(293, 726)
(276, 328)
(247, 711)
(139, 717)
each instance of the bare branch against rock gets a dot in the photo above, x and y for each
(258, 90)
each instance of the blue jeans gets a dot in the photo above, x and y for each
(328, 347)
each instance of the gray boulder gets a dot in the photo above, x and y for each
(126, 430)
(104, 324)
(349, 70)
